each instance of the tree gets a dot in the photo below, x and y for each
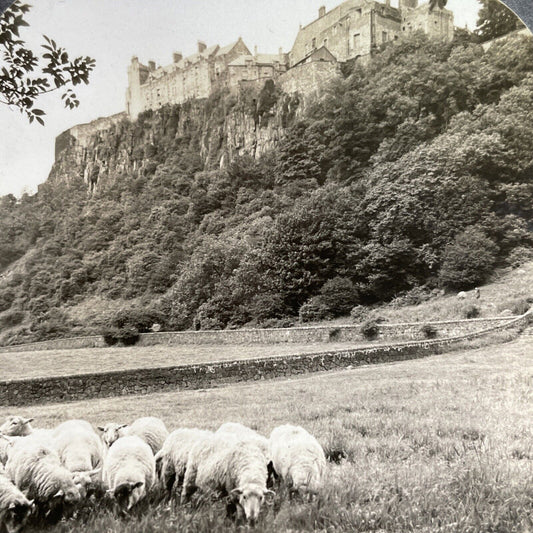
(22, 80)
(495, 19)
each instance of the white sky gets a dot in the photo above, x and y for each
(112, 31)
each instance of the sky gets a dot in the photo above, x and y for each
(112, 31)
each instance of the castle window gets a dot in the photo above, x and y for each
(313, 43)
(384, 37)
(359, 12)
(325, 42)
(356, 41)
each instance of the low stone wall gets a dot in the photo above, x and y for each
(346, 333)
(308, 78)
(144, 381)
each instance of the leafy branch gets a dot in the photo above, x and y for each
(25, 75)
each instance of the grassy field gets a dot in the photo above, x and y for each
(19, 365)
(442, 444)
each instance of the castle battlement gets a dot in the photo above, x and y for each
(352, 30)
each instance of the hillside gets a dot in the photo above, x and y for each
(411, 175)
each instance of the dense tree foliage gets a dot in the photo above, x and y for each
(495, 19)
(415, 171)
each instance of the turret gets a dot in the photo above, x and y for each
(408, 4)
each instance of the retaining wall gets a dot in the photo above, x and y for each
(143, 381)
(347, 333)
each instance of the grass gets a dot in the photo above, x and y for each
(43, 363)
(442, 444)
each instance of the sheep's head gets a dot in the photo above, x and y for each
(112, 432)
(69, 495)
(16, 515)
(249, 499)
(16, 426)
(86, 482)
(127, 494)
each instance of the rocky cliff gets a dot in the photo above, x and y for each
(221, 127)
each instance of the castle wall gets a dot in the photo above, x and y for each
(308, 78)
(437, 23)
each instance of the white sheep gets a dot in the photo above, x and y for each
(297, 458)
(36, 470)
(171, 460)
(6, 443)
(461, 295)
(16, 426)
(242, 432)
(15, 508)
(129, 470)
(81, 451)
(149, 428)
(223, 463)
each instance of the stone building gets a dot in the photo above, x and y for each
(256, 67)
(195, 76)
(356, 27)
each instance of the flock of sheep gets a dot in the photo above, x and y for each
(46, 473)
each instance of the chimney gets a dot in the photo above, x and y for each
(321, 11)
(255, 50)
(151, 65)
(387, 3)
(280, 53)
(177, 57)
(201, 46)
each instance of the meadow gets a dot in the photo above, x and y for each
(441, 444)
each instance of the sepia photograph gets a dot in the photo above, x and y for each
(266, 266)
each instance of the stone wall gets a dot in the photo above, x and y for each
(310, 334)
(187, 377)
(308, 78)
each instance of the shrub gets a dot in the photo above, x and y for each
(111, 336)
(358, 313)
(428, 331)
(277, 323)
(468, 261)
(128, 335)
(519, 256)
(415, 296)
(471, 311)
(339, 295)
(370, 329)
(314, 309)
(11, 319)
(6, 299)
(521, 307)
(138, 318)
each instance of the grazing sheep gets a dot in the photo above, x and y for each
(297, 458)
(15, 508)
(242, 432)
(36, 470)
(6, 443)
(81, 451)
(149, 428)
(16, 426)
(129, 470)
(461, 295)
(171, 460)
(224, 464)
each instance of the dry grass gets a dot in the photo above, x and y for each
(19, 365)
(438, 444)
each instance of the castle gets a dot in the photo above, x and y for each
(350, 31)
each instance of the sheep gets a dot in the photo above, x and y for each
(16, 426)
(242, 432)
(129, 470)
(297, 458)
(223, 463)
(461, 295)
(6, 444)
(81, 451)
(35, 468)
(151, 429)
(15, 508)
(171, 460)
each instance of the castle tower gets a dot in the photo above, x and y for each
(436, 23)
(137, 75)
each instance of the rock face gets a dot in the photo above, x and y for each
(222, 127)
